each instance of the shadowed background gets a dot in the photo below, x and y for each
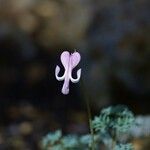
(113, 40)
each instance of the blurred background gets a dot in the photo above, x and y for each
(113, 40)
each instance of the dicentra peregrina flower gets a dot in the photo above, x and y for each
(69, 62)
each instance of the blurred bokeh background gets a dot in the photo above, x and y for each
(113, 39)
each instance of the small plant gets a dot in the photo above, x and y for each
(111, 123)
(55, 141)
(108, 126)
(124, 147)
(51, 139)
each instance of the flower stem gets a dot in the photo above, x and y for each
(114, 136)
(87, 99)
(90, 123)
(113, 144)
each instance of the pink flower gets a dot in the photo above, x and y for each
(69, 61)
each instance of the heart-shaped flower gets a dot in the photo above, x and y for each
(69, 61)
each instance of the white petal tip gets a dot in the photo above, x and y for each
(57, 70)
(78, 77)
(79, 73)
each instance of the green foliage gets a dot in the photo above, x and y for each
(70, 141)
(111, 122)
(55, 141)
(86, 141)
(51, 138)
(118, 118)
(124, 147)
(107, 125)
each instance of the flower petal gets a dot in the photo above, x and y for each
(57, 70)
(78, 77)
(75, 59)
(65, 57)
(65, 88)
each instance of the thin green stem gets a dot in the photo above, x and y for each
(87, 99)
(90, 122)
(113, 144)
(114, 136)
